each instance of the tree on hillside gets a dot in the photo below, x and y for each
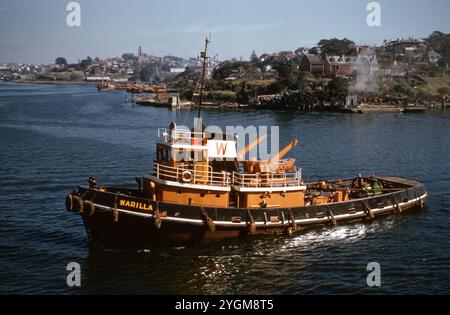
(290, 76)
(338, 89)
(226, 68)
(85, 63)
(314, 51)
(404, 89)
(443, 91)
(336, 46)
(440, 43)
(129, 56)
(253, 57)
(186, 89)
(61, 61)
(243, 95)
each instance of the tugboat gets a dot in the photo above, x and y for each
(218, 195)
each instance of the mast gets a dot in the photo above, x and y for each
(205, 57)
(103, 77)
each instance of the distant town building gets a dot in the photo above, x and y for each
(98, 79)
(177, 70)
(263, 57)
(338, 65)
(120, 80)
(400, 46)
(313, 64)
(433, 57)
(346, 71)
(393, 72)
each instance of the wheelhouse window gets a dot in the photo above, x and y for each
(163, 154)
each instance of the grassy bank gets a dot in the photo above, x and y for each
(436, 85)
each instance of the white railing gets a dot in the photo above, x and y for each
(204, 175)
(181, 136)
(269, 179)
(197, 175)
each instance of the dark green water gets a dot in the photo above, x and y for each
(54, 137)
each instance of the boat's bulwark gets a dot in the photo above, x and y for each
(126, 217)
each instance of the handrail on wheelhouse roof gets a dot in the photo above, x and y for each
(181, 136)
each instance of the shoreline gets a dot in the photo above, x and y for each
(51, 82)
(363, 108)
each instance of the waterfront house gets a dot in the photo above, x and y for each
(236, 74)
(345, 71)
(5, 70)
(338, 65)
(312, 64)
(393, 72)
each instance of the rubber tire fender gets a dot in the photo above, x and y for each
(88, 207)
(69, 202)
(77, 204)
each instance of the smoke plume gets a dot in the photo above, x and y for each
(366, 69)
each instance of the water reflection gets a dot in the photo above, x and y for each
(258, 265)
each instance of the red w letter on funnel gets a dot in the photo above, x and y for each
(221, 148)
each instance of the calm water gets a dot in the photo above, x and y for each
(54, 137)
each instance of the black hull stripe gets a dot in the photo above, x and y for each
(287, 222)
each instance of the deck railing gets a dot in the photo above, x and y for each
(197, 175)
(269, 179)
(204, 175)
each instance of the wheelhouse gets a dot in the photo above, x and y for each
(193, 168)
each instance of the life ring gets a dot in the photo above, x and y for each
(186, 176)
(77, 205)
(69, 202)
